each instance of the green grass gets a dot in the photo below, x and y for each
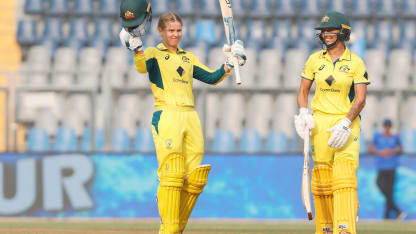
(103, 226)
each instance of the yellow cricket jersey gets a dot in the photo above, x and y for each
(334, 81)
(171, 74)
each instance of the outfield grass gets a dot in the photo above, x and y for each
(58, 226)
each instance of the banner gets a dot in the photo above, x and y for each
(125, 185)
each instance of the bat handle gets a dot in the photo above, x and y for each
(237, 71)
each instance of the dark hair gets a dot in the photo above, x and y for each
(387, 122)
(168, 17)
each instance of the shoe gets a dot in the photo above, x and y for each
(401, 216)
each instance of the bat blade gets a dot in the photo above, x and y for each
(306, 199)
(227, 15)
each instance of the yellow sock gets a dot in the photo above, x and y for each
(193, 186)
(169, 192)
(344, 187)
(323, 199)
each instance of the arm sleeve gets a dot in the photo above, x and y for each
(140, 60)
(206, 75)
(360, 74)
(308, 71)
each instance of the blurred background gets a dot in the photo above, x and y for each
(68, 89)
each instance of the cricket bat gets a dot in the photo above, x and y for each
(306, 187)
(227, 15)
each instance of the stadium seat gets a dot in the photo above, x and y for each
(285, 8)
(118, 59)
(295, 60)
(34, 6)
(233, 106)
(386, 8)
(109, 7)
(82, 106)
(53, 29)
(270, 63)
(375, 61)
(51, 45)
(363, 144)
(205, 30)
(209, 8)
(65, 140)
(38, 59)
(26, 32)
(409, 8)
(65, 60)
(384, 32)
(89, 60)
(143, 141)
(212, 117)
(306, 30)
(249, 70)
(240, 7)
(83, 7)
(100, 45)
(57, 8)
(223, 142)
(256, 35)
(285, 107)
(260, 8)
(276, 142)
(408, 140)
(104, 30)
(311, 8)
(361, 8)
(38, 140)
(62, 80)
(86, 140)
(398, 70)
(121, 141)
(390, 110)
(78, 29)
(259, 114)
(161, 7)
(370, 115)
(250, 141)
(340, 6)
(186, 7)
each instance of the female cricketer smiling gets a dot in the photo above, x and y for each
(177, 131)
(341, 84)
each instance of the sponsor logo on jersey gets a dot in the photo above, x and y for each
(330, 80)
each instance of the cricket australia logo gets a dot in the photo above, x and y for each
(129, 15)
(344, 68)
(325, 19)
(185, 59)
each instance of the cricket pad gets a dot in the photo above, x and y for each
(321, 186)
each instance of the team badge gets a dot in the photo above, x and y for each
(325, 19)
(129, 15)
(185, 59)
(344, 68)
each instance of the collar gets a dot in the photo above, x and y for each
(162, 47)
(345, 56)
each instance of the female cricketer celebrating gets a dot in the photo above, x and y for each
(177, 131)
(341, 84)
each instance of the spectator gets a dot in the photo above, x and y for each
(387, 148)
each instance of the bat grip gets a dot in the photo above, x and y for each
(237, 71)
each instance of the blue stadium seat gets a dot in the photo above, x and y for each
(311, 8)
(386, 8)
(205, 31)
(407, 34)
(109, 7)
(52, 45)
(120, 140)
(53, 29)
(143, 141)
(223, 141)
(161, 7)
(260, 8)
(306, 30)
(104, 29)
(38, 140)
(276, 142)
(409, 8)
(361, 8)
(86, 140)
(78, 29)
(186, 7)
(26, 32)
(66, 140)
(339, 5)
(285, 8)
(408, 140)
(209, 8)
(83, 7)
(282, 29)
(57, 8)
(101, 45)
(256, 34)
(250, 141)
(240, 7)
(34, 6)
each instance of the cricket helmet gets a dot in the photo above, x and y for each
(134, 13)
(336, 20)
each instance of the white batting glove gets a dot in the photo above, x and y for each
(127, 40)
(236, 50)
(303, 122)
(340, 133)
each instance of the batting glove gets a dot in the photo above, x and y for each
(340, 133)
(303, 122)
(237, 50)
(127, 40)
